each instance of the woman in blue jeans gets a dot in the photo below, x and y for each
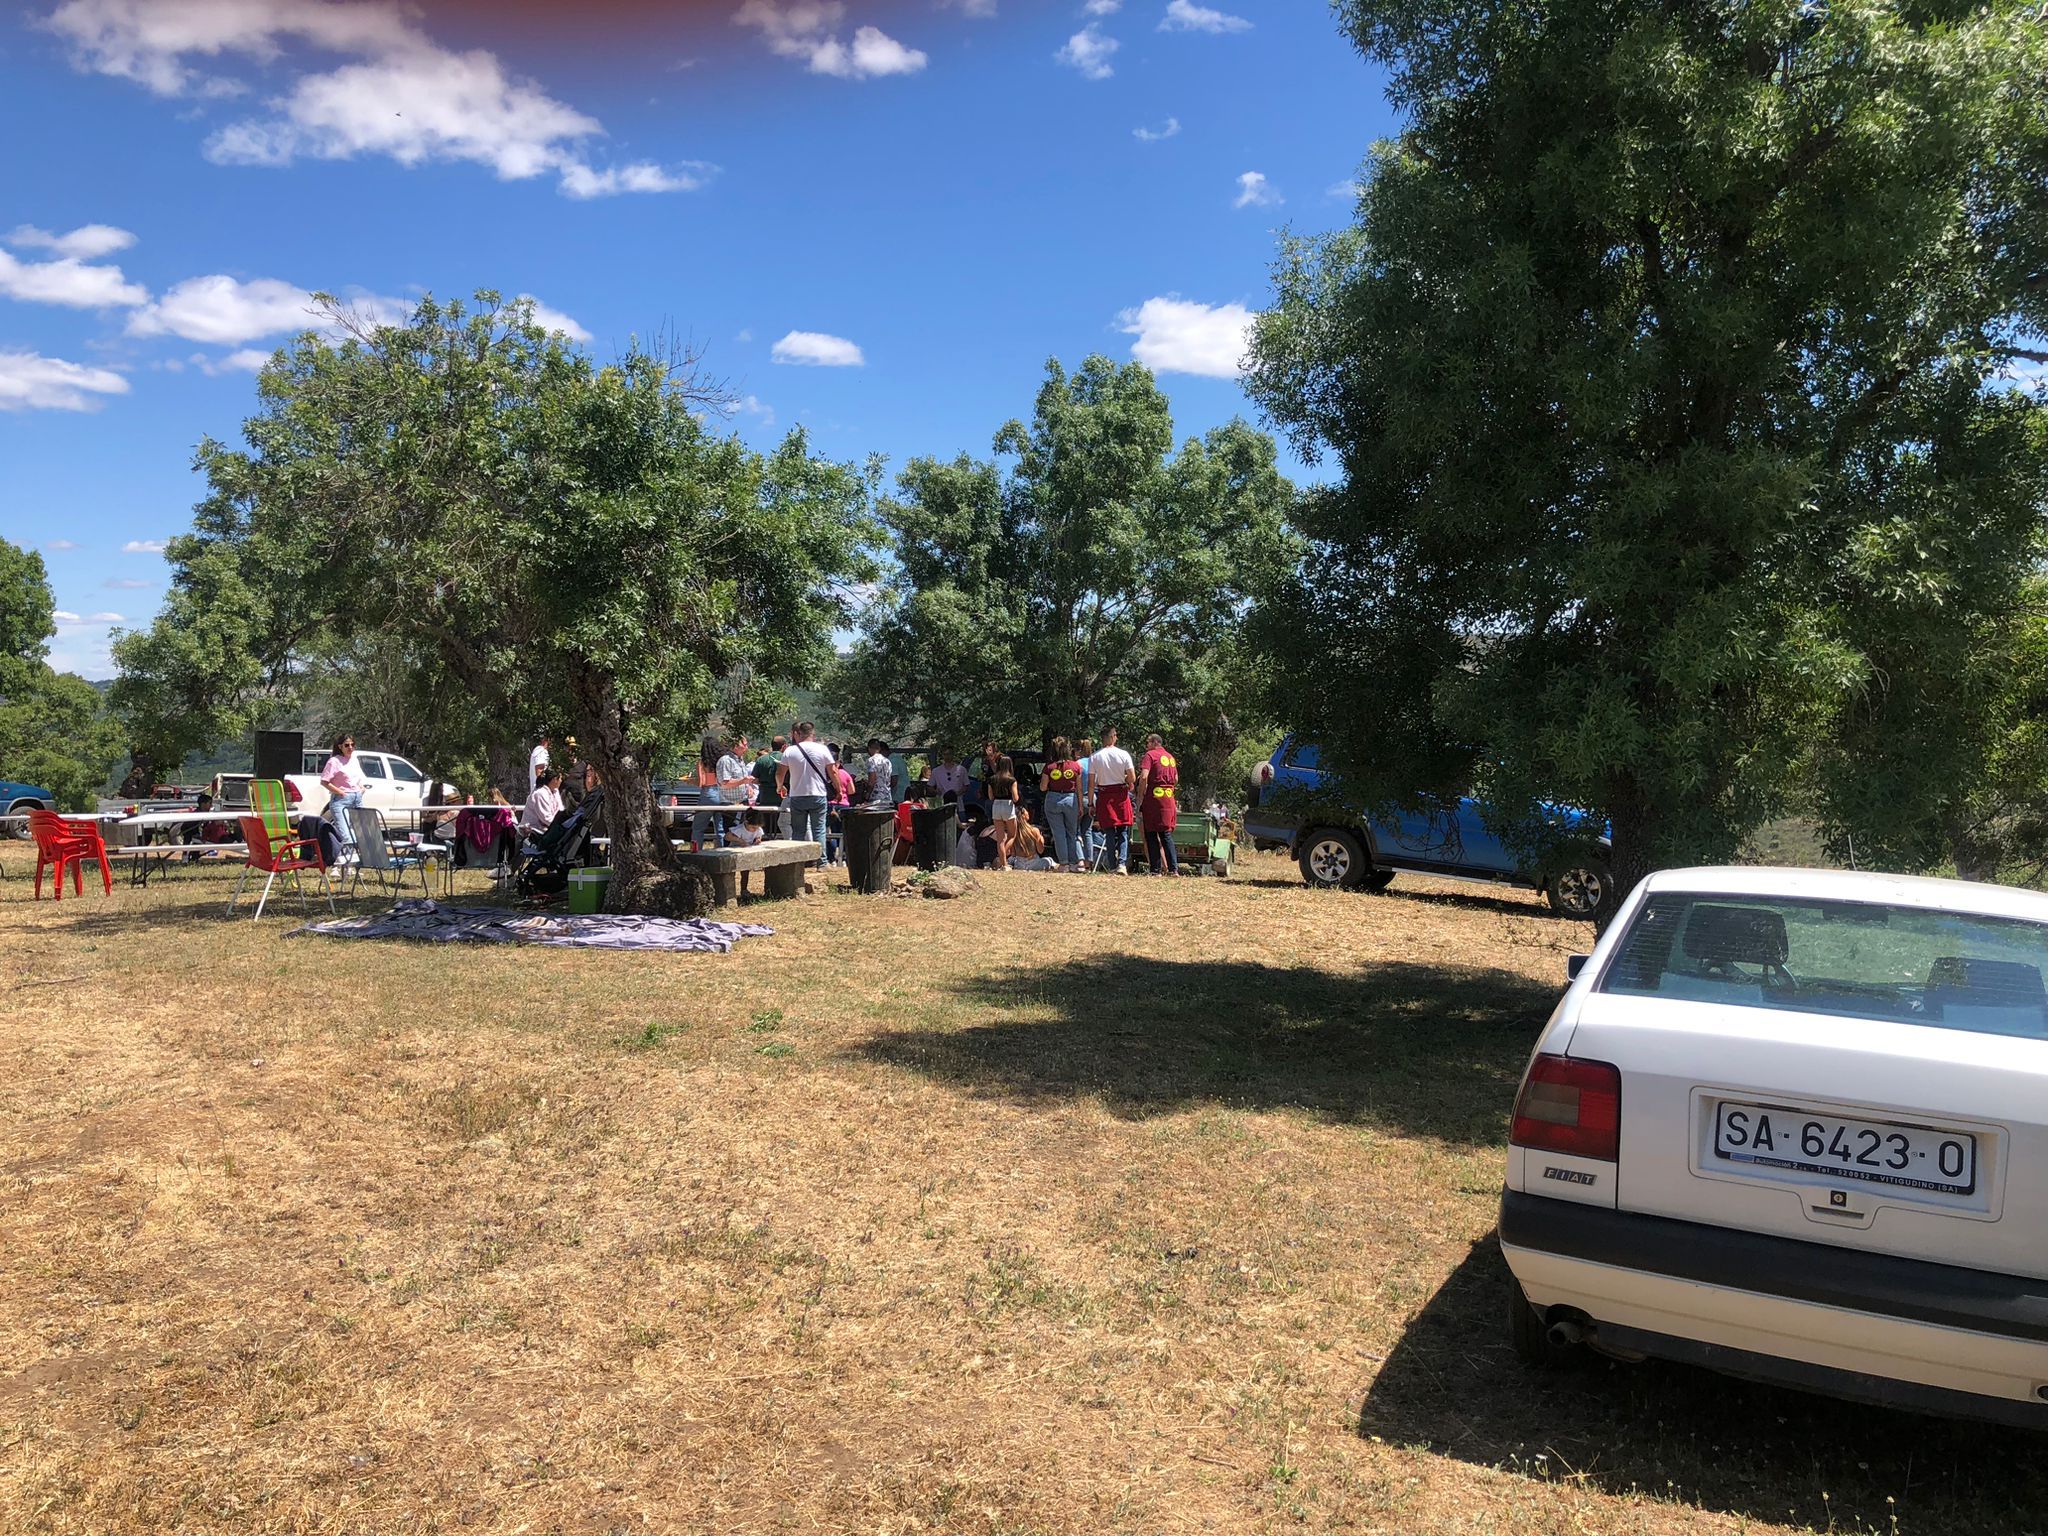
(1061, 782)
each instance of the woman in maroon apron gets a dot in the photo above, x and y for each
(1158, 779)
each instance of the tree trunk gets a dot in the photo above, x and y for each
(1977, 854)
(506, 766)
(645, 876)
(1631, 857)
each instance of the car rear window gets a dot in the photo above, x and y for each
(1864, 960)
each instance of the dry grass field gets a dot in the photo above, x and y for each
(1078, 1205)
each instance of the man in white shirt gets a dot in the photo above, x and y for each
(804, 781)
(881, 774)
(537, 763)
(1111, 773)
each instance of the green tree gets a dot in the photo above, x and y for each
(1653, 325)
(54, 732)
(553, 541)
(1098, 580)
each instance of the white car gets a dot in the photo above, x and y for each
(1793, 1125)
(390, 784)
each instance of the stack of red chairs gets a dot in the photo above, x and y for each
(74, 843)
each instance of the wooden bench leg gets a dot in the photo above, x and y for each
(781, 882)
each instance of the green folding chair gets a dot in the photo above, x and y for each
(266, 799)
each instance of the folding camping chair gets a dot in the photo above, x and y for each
(375, 853)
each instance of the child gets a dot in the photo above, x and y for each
(745, 833)
(1002, 809)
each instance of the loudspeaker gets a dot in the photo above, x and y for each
(279, 753)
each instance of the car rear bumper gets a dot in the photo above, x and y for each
(1903, 1332)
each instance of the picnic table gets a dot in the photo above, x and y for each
(145, 856)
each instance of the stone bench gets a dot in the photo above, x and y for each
(782, 865)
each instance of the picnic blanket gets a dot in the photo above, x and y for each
(435, 924)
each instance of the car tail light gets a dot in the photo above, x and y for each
(291, 793)
(1570, 1106)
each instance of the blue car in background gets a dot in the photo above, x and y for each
(19, 800)
(1295, 806)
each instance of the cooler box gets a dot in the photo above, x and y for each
(586, 890)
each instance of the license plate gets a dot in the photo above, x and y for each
(1868, 1151)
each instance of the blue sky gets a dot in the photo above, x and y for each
(878, 221)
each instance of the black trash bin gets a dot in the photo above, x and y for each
(870, 848)
(934, 830)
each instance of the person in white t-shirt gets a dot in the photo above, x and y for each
(543, 804)
(1111, 774)
(881, 774)
(537, 761)
(805, 780)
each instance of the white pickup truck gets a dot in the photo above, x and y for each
(390, 784)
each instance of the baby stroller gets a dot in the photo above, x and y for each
(547, 859)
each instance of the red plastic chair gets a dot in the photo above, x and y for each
(76, 843)
(279, 856)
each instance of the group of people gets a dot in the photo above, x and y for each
(1092, 797)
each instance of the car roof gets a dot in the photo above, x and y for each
(1855, 885)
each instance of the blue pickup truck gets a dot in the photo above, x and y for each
(1295, 806)
(19, 800)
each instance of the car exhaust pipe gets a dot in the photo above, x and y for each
(1567, 1333)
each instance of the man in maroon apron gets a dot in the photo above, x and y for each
(1111, 771)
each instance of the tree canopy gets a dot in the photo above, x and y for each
(530, 538)
(1099, 578)
(54, 732)
(1663, 362)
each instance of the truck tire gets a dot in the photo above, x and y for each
(1584, 892)
(21, 808)
(1332, 859)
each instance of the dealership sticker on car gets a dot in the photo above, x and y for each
(1871, 1151)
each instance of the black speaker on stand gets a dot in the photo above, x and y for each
(279, 753)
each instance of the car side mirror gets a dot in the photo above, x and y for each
(1573, 964)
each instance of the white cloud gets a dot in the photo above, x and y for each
(63, 616)
(1176, 335)
(60, 544)
(104, 618)
(976, 8)
(1102, 7)
(806, 29)
(127, 583)
(1165, 130)
(241, 360)
(1089, 51)
(1185, 16)
(744, 337)
(68, 281)
(1254, 191)
(551, 319)
(84, 243)
(399, 93)
(31, 382)
(756, 407)
(226, 310)
(144, 547)
(1350, 191)
(814, 349)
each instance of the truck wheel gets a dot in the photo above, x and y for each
(1332, 859)
(1584, 892)
(21, 808)
(1531, 1339)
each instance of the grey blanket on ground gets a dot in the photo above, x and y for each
(436, 924)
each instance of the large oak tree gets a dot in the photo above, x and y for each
(1664, 365)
